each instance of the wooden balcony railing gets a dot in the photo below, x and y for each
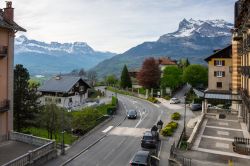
(3, 51)
(4, 105)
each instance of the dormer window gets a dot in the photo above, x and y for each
(219, 63)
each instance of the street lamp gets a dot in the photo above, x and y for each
(62, 147)
(185, 117)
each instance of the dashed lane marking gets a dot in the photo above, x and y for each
(107, 129)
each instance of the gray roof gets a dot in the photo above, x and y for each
(12, 25)
(64, 84)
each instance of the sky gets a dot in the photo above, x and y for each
(112, 25)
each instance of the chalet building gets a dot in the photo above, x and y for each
(219, 71)
(166, 61)
(65, 91)
(241, 58)
(8, 28)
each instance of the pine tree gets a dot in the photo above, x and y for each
(125, 78)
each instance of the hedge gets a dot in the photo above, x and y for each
(152, 99)
(176, 116)
(169, 128)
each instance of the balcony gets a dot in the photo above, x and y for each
(245, 70)
(3, 51)
(4, 105)
(241, 12)
(237, 35)
(245, 97)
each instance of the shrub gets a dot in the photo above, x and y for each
(167, 131)
(152, 99)
(173, 125)
(167, 97)
(176, 116)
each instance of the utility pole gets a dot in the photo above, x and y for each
(185, 117)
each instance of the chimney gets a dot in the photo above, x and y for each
(8, 14)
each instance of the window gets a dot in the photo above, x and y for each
(219, 84)
(219, 63)
(58, 100)
(219, 74)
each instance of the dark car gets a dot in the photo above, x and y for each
(149, 140)
(132, 114)
(141, 158)
(196, 107)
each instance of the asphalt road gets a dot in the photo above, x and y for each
(118, 148)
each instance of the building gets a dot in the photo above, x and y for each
(65, 91)
(166, 61)
(219, 70)
(8, 28)
(241, 58)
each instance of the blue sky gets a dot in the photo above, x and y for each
(112, 25)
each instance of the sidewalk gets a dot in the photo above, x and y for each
(89, 139)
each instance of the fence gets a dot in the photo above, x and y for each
(241, 145)
(177, 159)
(45, 152)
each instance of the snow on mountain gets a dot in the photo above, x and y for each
(207, 28)
(54, 57)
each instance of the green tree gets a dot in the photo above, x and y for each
(196, 75)
(26, 104)
(111, 80)
(150, 74)
(183, 63)
(172, 77)
(125, 78)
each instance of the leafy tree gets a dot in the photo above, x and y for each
(111, 80)
(125, 78)
(150, 74)
(33, 84)
(25, 99)
(183, 63)
(92, 77)
(172, 77)
(196, 75)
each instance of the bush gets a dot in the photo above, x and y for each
(169, 128)
(167, 97)
(176, 116)
(152, 99)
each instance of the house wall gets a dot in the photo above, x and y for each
(6, 82)
(226, 80)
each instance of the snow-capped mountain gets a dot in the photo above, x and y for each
(194, 39)
(41, 58)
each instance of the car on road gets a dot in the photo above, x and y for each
(149, 140)
(141, 158)
(132, 114)
(195, 107)
(174, 101)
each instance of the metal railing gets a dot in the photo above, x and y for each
(245, 97)
(241, 145)
(4, 105)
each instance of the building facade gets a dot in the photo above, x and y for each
(241, 58)
(64, 91)
(219, 70)
(8, 28)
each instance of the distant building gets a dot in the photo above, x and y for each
(8, 28)
(219, 70)
(166, 61)
(65, 91)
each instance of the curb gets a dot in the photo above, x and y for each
(98, 140)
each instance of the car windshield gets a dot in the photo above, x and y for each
(147, 137)
(132, 112)
(140, 159)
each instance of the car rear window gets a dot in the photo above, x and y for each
(147, 137)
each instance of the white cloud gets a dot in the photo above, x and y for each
(112, 25)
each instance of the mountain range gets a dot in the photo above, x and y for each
(194, 39)
(53, 58)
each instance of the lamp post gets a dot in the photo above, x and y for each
(184, 129)
(62, 147)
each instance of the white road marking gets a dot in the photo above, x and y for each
(222, 145)
(127, 131)
(160, 150)
(139, 120)
(223, 133)
(107, 129)
(157, 105)
(223, 123)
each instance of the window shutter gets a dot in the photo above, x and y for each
(223, 63)
(223, 74)
(215, 73)
(214, 62)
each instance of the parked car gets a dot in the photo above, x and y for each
(141, 158)
(195, 107)
(174, 101)
(149, 140)
(132, 114)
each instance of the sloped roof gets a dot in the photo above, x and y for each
(64, 84)
(224, 53)
(166, 61)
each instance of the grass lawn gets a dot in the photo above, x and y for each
(40, 132)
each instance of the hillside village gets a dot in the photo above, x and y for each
(141, 107)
